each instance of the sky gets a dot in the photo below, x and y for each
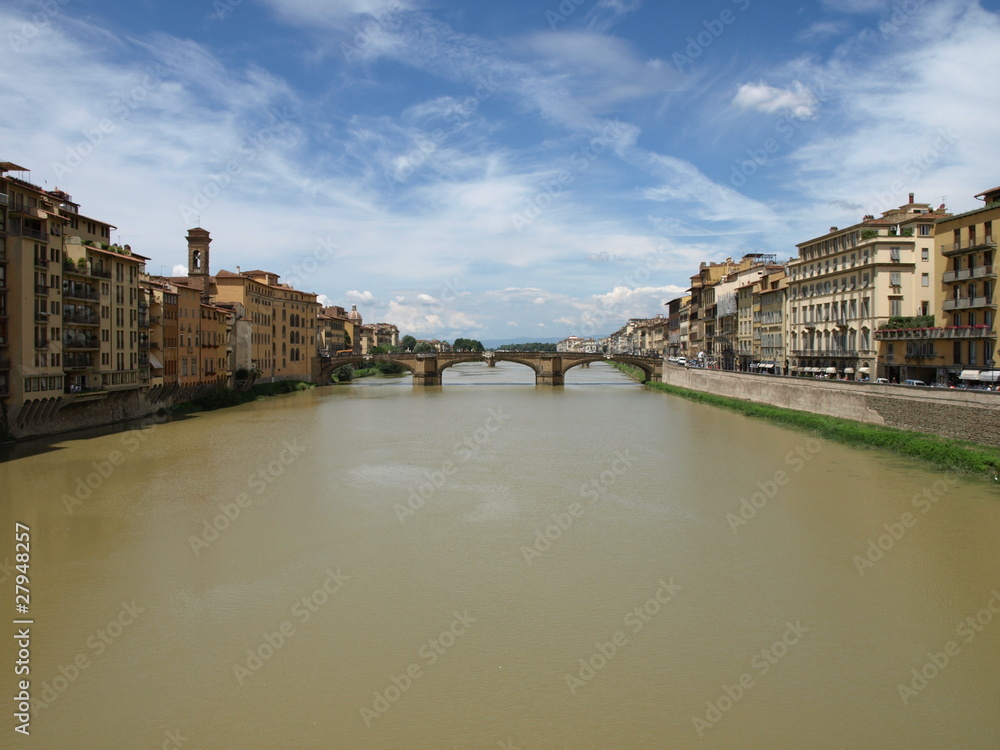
(524, 170)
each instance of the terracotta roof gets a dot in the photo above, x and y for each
(987, 192)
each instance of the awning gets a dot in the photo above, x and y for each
(863, 370)
(969, 375)
(767, 367)
(157, 364)
(831, 370)
(848, 370)
(989, 376)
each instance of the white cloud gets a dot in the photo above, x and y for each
(538, 301)
(179, 270)
(324, 300)
(427, 299)
(361, 298)
(798, 101)
(512, 324)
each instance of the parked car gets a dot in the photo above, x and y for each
(882, 381)
(681, 361)
(911, 381)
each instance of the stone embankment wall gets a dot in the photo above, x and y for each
(951, 413)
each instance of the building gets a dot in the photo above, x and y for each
(848, 283)
(770, 322)
(73, 324)
(960, 344)
(281, 320)
(577, 345)
(332, 325)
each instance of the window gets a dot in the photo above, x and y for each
(925, 231)
(895, 307)
(895, 278)
(894, 254)
(925, 253)
(925, 279)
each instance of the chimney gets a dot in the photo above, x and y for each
(911, 197)
(237, 270)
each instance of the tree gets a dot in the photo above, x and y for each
(467, 345)
(384, 349)
(343, 373)
(423, 348)
(407, 343)
(347, 340)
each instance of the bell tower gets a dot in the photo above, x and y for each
(198, 241)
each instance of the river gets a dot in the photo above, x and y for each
(493, 565)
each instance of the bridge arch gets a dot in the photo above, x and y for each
(445, 364)
(327, 368)
(534, 365)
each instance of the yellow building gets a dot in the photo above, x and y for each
(282, 319)
(849, 283)
(71, 312)
(961, 345)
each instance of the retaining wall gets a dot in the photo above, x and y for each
(951, 413)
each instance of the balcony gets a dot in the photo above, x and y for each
(41, 262)
(4, 364)
(966, 274)
(143, 342)
(924, 334)
(81, 344)
(80, 292)
(966, 303)
(20, 207)
(84, 319)
(969, 246)
(41, 343)
(42, 290)
(824, 353)
(78, 362)
(4, 199)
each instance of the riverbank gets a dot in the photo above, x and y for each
(220, 397)
(944, 453)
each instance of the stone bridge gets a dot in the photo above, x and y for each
(550, 367)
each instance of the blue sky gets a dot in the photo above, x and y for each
(513, 170)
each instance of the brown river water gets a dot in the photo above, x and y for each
(493, 565)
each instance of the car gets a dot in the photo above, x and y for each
(911, 381)
(881, 381)
(681, 361)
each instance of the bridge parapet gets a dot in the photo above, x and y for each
(549, 367)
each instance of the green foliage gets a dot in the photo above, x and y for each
(632, 371)
(532, 347)
(423, 348)
(384, 349)
(952, 455)
(407, 343)
(467, 345)
(218, 396)
(869, 234)
(343, 373)
(916, 321)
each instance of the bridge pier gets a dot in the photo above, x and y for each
(550, 372)
(426, 371)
